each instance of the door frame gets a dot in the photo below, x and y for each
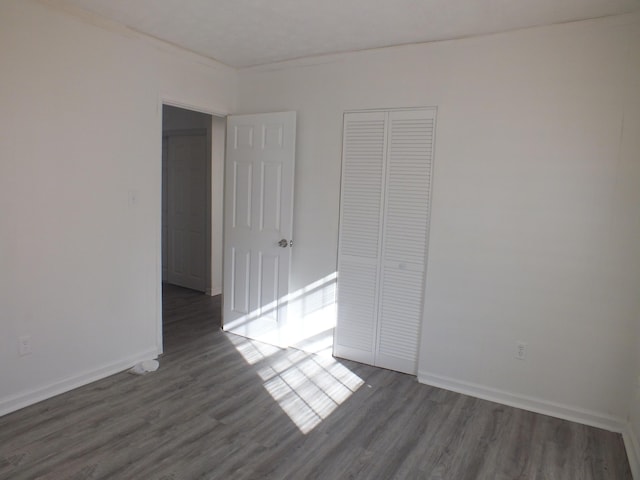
(212, 194)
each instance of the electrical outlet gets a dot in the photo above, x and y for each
(521, 350)
(24, 345)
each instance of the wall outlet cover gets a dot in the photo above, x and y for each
(24, 345)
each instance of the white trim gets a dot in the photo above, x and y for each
(171, 101)
(212, 292)
(553, 409)
(633, 450)
(21, 400)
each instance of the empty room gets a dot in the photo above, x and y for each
(417, 227)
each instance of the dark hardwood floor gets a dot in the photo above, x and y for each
(223, 407)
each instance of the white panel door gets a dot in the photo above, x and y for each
(185, 203)
(259, 172)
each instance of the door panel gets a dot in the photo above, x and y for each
(270, 188)
(259, 213)
(242, 187)
(240, 268)
(268, 287)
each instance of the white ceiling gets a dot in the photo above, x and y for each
(243, 33)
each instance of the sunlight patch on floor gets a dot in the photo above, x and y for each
(252, 351)
(307, 387)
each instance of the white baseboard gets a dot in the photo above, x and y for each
(16, 402)
(633, 450)
(565, 412)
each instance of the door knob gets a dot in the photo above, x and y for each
(283, 243)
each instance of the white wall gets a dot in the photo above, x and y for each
(80, 182)
(534, 232)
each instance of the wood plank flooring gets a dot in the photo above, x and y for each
(223, 407)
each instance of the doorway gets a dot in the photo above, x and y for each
(192, 185)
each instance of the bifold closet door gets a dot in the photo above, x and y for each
(361, 202)
(384, 232)
(405, 238)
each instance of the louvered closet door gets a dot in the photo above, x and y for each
(406, 233)
(384, 231)
(364, 147)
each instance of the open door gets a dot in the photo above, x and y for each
(258, 225)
